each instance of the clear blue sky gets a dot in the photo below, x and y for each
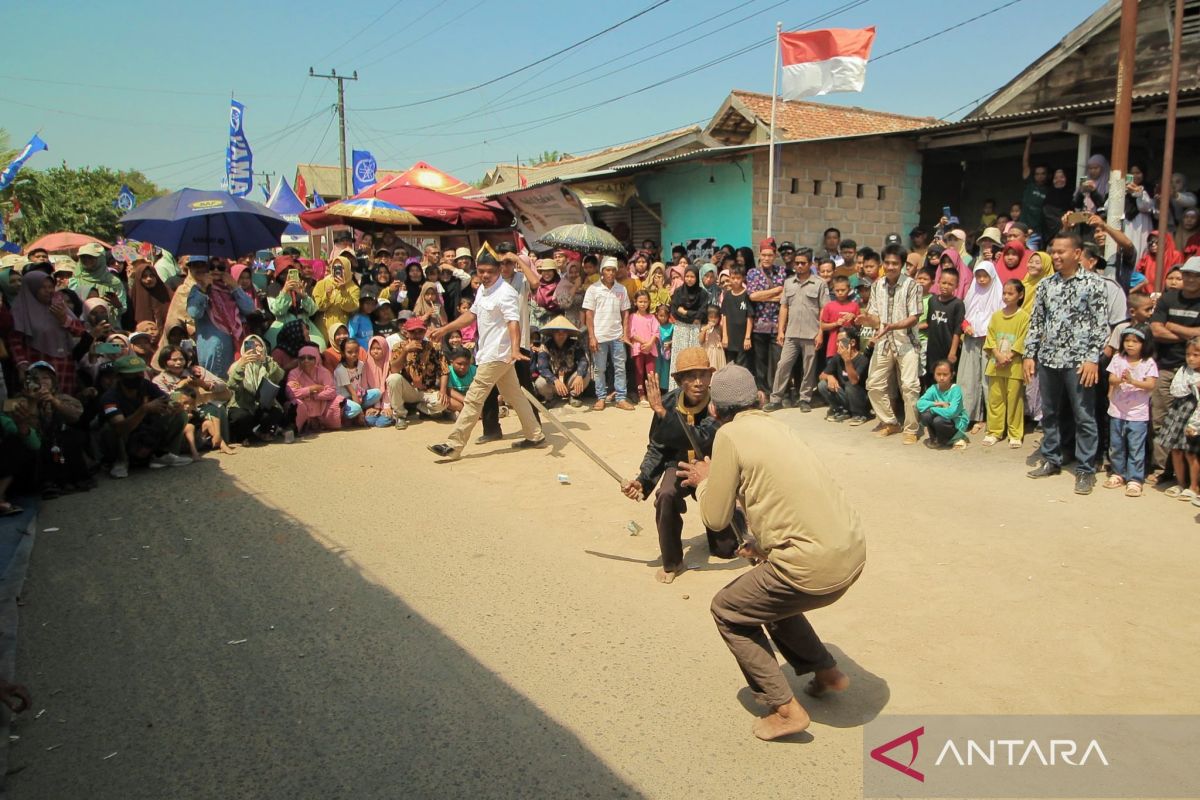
(145, 84)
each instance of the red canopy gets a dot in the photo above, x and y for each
(427, 176)
(436, 211)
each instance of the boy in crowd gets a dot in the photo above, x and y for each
(944, 314)
(842, 382)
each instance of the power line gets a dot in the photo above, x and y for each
(364, 29)
(408, 26)
(518, 70)
(930, 36)
(130, 88)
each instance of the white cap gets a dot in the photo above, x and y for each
(609, 262)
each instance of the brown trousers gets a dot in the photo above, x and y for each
(669, 506)
(761, 598)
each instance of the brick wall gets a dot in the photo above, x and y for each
(804, 210)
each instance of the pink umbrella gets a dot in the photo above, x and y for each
(64, 242)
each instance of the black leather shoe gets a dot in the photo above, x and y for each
(805, 406)
(489, 437)
(1085, 482)
(444, 450)
(1045, 470)
(769, 407)
(529, 444)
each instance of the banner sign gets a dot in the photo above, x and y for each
(239, 161)
(700, 251)
(364, 170)
(543, 208)
(35, 145)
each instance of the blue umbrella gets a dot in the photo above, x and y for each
(193, 222)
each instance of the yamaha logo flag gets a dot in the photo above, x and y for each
(239, 161)
(364, 170)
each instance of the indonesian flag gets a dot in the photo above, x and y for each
(820, 62)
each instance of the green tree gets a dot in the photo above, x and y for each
(74, 199)
(547, 157)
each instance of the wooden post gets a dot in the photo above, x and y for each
(1119, 163)
(1164, 200)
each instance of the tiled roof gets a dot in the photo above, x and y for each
(803, 119)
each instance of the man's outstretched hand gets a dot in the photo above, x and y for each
(654, 396)
(693, 472)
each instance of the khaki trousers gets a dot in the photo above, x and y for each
(761, 598)
(401, 391)
(503, 376)
(885, 361)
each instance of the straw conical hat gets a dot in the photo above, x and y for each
(559, 323)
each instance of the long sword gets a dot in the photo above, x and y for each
(572, 438)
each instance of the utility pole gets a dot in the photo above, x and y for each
(267, 180)
(1165, 184)
(341, 108)
(1119, 163)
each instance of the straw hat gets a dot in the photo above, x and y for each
(560, 323)
(690, 359)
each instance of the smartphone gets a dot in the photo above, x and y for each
(946, 212)
(338, 271)
(107, 349)
(293, 275)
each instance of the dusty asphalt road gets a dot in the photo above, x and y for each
(478, 630)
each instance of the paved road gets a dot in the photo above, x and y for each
(342, 618)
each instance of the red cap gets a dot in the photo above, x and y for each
(415, 324)
(767, 242)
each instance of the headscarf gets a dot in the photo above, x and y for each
(319, 374)
(6, 289)
(423, 306)
(693, 299)
(177, 312)
(1148, 263)
(254, 373)
(34, 319)
(98, 278)
(91, 304)
(223, 310)
(544, 294)
(292, 337)
(332, 356)
(1102, 181)
(411, 287)
(1022, 267)
(1031, 281)
(375, 373)
(564, 290)
(983, 301)
(674, 277)
(148, 304)
(965, 278)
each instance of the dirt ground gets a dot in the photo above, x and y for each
(343, 617)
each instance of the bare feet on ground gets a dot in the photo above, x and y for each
(827, 680)
(229, 449)
(787, 719)
(662, 576)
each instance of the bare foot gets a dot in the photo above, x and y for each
(229, 449)
(827, 680)
(662, 576)
(785, 720)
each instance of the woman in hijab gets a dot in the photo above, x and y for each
(1059, 200)
(376, 361)
(216, 309)
(243, 278)
(255, 412)
(568, 294)
(339, 333)
(676, 272)
(292, 336)
(44, 329)
(656, 287)
(1012, 263)
(689, 306)
(984, 298)
(1148, 263)
(293, 303)
(451, 292)
(951, 260)
(1181, 201)
(1093, 192)
(149, 297)
(414, 280)
(311, 387)
(545, 305)
(429, 305)
(92, 278)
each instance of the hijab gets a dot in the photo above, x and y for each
(423, 306)
(223, 310)
(983, 301)
(565, 289)
(692, 298)
(33, 318)
(375, 372)
(177, 310)
(318, 376)
(332, 356)
(148, 304)
(1031, 281)
(1017, 272)
(1102, 181)
(292, 337)
(91, 304)
(254, 373)
(98, 278)
(965, 278)
(412, 287)
(544, 293)
(1148, 263)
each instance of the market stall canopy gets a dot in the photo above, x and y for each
(64, 242)
(195, 222)
(284, 202)
(434, 210)
(427, 176)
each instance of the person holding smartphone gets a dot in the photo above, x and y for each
(217, 306)
(336, 295)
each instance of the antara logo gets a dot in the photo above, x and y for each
(910, 738)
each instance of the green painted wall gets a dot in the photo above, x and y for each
(695, 208)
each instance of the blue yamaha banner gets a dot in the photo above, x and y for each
(35, 145)
(364, 170)
(239, 161)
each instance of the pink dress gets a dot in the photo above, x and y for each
(325, 406)
(643, 326)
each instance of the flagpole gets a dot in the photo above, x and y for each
(771, 154)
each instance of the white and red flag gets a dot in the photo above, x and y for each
(820, 62)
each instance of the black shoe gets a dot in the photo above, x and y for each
(1085, 482)
(489, 437)
(529, 444)
(841, 416)
(1045, 470)
(805, 406)
(443, 450)
(769, 407)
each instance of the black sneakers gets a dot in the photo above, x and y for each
(1085, 482)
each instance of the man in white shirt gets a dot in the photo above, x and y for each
(606, 311)
(497, 349)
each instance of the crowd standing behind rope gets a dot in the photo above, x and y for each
(953, 336)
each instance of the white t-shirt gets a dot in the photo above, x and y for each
(606, 306)
(348, 381)
(494, 308)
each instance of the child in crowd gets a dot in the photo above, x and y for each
(842, 384)
(202, 431)
(988, 218)
(471, 332)
(1132, 374)
(1184, 447)
(737, 320)
(360, 325)
(924, 279)
(838, 314)
(348, 380)
(666, 330)
(1174, 279)
(1141, 308)
(1005, 348)
(942, 412)
(462, 372)
(984, 298)
(943, 325)
(710, 338)
(643, 336)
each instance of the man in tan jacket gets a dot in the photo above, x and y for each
(808, 539)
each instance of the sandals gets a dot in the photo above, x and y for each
(1187, 495)
(1134, 489)
(1114, 482)
(1174, 491)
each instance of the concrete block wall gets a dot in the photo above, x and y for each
(803, 210)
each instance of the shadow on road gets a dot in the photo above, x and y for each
(213, 647)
